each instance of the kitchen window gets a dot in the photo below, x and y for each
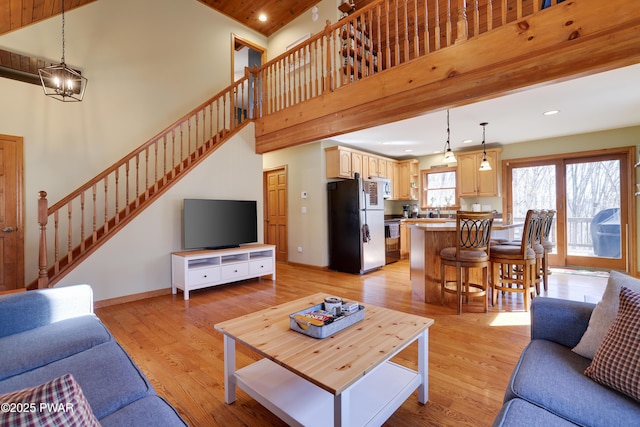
(439, 189)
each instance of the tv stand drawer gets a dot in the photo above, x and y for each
(204, 275)
(235, 271)
(261, 268)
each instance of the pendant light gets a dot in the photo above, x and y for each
(61, 82)
(449, 157)
(484, 165)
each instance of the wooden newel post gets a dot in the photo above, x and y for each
(43, 216)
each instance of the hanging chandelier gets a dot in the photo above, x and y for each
(61, 82)
(449, 157)
(484, 165)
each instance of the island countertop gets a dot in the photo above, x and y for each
(450, 225)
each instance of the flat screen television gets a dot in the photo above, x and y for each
(216, 224)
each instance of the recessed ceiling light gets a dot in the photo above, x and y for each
(467, 141)
(408, 150)
(387, 143)
(551, 112)
(262, 17)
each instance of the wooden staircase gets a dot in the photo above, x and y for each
(93, 213)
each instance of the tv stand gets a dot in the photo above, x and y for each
(192, 270)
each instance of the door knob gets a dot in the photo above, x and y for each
(7, 229)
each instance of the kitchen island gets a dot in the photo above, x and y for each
(427, 240)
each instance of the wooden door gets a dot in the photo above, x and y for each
(11, 232)
(275, 207)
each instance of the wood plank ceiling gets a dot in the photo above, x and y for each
(16, 14)
(278, 12)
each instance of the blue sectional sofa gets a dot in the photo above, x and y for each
(548, 386)
(49, 333)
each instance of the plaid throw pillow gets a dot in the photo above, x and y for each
(617, 361)
(59, 402)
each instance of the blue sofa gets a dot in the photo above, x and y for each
(548, 386)
(48, 333)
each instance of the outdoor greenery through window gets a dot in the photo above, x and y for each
(439, 188)
(590, 192)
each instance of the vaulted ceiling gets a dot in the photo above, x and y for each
(15, 14)
(278, 12)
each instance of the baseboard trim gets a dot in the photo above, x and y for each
(130, 298)
(313, 267)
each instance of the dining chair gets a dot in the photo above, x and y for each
(473, 232)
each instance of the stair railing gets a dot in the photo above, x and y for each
(88, 216)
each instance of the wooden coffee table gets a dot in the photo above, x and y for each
(343, 380)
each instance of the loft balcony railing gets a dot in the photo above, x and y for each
(379, 37)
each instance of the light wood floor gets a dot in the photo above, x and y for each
(470, 356)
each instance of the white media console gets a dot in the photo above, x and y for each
(201, 269)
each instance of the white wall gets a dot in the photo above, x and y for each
(137, 259)
(303, 25)
(305, 172)
(148, 62)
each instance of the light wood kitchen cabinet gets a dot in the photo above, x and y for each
(382, 168)
(343, 162)
(408, 180)
(373, 166)
(357, 164)
(405, 235)
(390, 168)
(338, 162)
(365, 166)
(473, 182)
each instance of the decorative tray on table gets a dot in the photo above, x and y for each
(315, 322)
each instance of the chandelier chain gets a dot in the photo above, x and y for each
(62, 32)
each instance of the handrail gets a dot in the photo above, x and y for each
(382, 35)
(105, 203)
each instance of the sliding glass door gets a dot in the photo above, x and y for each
(590, 196)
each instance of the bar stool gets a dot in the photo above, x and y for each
(473, 231)
(547, 244)
(513, 267)
(538, 248)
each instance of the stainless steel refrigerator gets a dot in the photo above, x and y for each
(356, 225)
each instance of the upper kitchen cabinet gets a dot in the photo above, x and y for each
(344, 162)
(473, 182)
(339, 162)
(407, 185)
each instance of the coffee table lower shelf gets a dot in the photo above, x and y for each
(298, 402)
